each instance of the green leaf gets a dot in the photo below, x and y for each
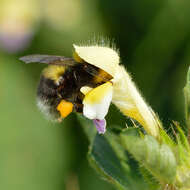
(157, 159)
(183, 148)
(105, 160)
(88, 127)
(111, 160)
(187, 99)
(149, 178)
(165, 138)
(183, 139)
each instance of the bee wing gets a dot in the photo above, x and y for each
(64, 61)
(48, 59)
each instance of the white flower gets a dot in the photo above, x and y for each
(121, 90)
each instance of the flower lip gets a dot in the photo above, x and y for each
(96, 104)
(97, 101)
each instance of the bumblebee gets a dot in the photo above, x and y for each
(59, 89)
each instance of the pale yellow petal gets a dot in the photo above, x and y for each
(102, 57)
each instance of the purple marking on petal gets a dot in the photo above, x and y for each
(100, 125)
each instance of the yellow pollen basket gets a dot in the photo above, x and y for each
(97, 94)
(65, 108)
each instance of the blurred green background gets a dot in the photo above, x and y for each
(154, 42)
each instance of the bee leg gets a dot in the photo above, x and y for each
(80, 96)
(75, 76)
(78, 107)
(59, 119)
